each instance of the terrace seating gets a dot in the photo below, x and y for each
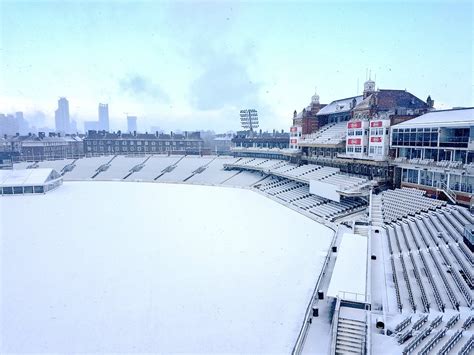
(451, 343)
(401, 203)
(330, 134)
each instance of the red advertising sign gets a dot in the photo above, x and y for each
(293, 129)
(293, 141)
(376, 139)
(376, 124)
(356, 141)
(356, 124)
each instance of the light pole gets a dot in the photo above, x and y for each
(249, 119)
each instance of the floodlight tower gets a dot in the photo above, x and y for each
(249, 119)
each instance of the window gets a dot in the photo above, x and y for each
(8, 190)
(38, 189)
(358, 149)
(17, 189)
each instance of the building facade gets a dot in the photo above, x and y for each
(102, 142)
(435, 152)
(305, 122)
(368, 130)
(39, 147)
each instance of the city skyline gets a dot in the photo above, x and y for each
(176, 73)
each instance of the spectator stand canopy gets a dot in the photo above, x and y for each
(29, 181)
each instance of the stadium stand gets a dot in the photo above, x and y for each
(119, 168)
(332, 133)
(298, 195)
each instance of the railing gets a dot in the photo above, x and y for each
(450, 193)
(298, 348)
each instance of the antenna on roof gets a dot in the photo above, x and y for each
(357, 93)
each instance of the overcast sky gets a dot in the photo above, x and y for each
(194, 65)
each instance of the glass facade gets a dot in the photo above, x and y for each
(415, 137)
(456, 182)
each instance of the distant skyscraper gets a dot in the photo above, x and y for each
(8, 125)
(132, 123)
(104, 117)
(61, 116)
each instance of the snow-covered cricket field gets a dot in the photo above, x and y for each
(143, 267)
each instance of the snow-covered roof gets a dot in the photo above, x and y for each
(26, 177)
(349, 278)
(445, 118)
(343, 105)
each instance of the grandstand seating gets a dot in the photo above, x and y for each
(184, 168)
(401, 203)
(214, 172)
(304, 173)
(85, 168)
(119, 168)
(427, 232)
(330, 134)
(298, 194)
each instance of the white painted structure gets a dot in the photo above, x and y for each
(28, 181)
(349, 278)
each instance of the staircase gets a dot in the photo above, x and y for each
(361, 230)
(350, 336)
(376, 210)
(450, 194)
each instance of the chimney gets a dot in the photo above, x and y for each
(17, 134)
(157, 134)
(134, 133)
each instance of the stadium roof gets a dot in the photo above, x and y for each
(349, 278)
(338, 106)
(26, 177)
(388, 99)
(446, 118)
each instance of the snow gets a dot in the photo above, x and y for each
(337, 106)
(446, 118)
(57, 165)
(24, 177)
(120, 167)
(85, 168)
(154, 166)
(215, 173)
(244, 178)
(148, 267)
(185, 167)
(349, 277)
